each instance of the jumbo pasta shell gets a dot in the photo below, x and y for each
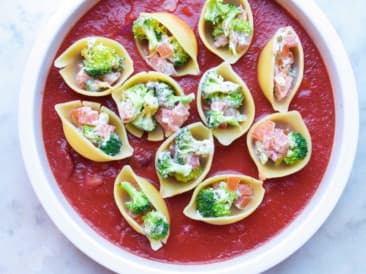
(266, 69)
(184, 35)
(170, 187)
(69, 60)
(258, 193)
(81, 144)
(144, 77)
(292, 120)
(204, 29)
(121, 197)
(226, 136)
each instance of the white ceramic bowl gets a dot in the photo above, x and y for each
(257, 260)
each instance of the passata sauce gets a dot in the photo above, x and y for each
(88, 186)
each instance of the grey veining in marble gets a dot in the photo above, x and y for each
(29, 241)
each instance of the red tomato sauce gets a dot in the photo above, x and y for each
(88, 186)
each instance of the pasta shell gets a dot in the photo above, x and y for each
(293, 121)
(184, 35)
(226, 136)
(81, 144)
(266, 71)
(70, 59)
(205, 28)
(170, 187)
(258, 193)
(144, 77)
(121, 197)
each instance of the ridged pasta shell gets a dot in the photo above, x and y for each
(144, 77)
(170, 187)
(184, 35)
(266, 68)
(204, 30)
(81, 144)
(69, 60)
(292, 120)
(258, 193)
(226, 136)
(121, 197)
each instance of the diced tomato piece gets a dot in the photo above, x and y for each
(172, 119)
(283, 89)
(82, 77)
(84, 116)
(263, 129)
(232, 183)
(105, 130)
(221, 41)
(161, 65)
(290, 40)
(111, 77)
(245, 189)
(242, 201)
(220, 106)
(165, 51)
(276, 144)
(126, 111)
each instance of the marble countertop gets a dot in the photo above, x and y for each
(30, 242)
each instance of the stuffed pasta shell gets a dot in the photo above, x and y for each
(225, 199)
(184, 159)
(93, 66)
(166, 43)
(152, 102)
(281, 68)
(94, 131)
(142, 207)
(279, 144)
(225, 103)
(226, 28)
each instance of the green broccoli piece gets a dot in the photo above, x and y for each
(138, 203)
(214, 83)
(180, 56)
(112, 145)
(91, 134)
(148, 28)
(145, 122)
(216, 118)
(240, 25)
(186, 144)
(217, 31)
(215, 202)
(232, 12)
(216, 11)
(135, 96)
(151, 103)
(156, 226)
(298, 148)
(235, 100)
(167, 166)
(191, 176)
(171, 100)
(100, 60)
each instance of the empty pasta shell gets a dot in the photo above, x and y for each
(70, 60)
(205, 29)
(80, 143)
(170, 187)
(237, 214)
(266, 72)
(290, 120)
(180, 30)
(227, 135)
(141, 184)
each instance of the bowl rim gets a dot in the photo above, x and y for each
(267, 255)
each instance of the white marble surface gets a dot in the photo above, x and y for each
(30, 242)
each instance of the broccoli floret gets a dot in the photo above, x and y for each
(215, 202)
(191, 176)
(138, 203)
(151, 104)
(217, 31)
(180, 56)
(112, 145)
(214, 83)
(186, 144)
(145, 122)
(235, 100)
(240, 25)
(167, 166)
(298, 148)
(156, 226)
(135, 96)
(148, 28)
(100, 60)
(91, 134)
(171, 100)
(232, 12)
(216, 118)
(216, 11)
